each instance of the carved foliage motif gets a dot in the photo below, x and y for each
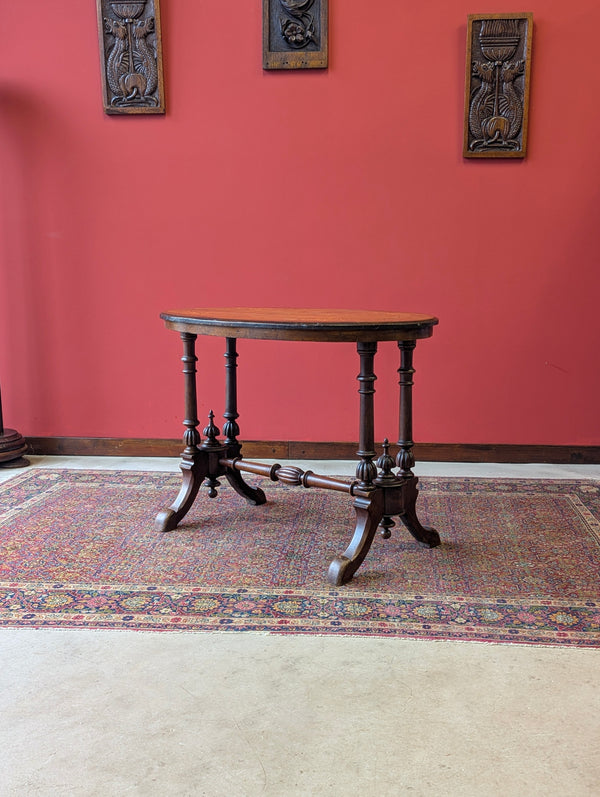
(130, 48)
(497, 85)
(294, 34)
(297, 25)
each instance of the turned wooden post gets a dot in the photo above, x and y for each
(231, 429)
(191, 436)
(405, 459)
(366, 470)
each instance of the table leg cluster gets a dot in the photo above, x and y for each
(379, 493)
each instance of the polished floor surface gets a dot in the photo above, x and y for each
(103, 713)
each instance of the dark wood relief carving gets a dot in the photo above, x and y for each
(295, 34)
(131, 56)
(497, 85)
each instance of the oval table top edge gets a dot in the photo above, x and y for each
(282, 323)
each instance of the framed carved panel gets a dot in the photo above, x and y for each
(497, 85)
(295, 34)
(131, 56)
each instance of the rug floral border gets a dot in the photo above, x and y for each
(143, 607)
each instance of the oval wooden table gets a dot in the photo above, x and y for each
(379, 492)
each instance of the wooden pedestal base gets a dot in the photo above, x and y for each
(12, 448)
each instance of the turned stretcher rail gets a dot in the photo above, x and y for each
(289, 474)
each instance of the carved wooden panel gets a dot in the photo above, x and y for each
(131, 56)
(497, 85)
(295, 34)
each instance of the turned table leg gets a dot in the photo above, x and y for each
(202, 460)
(254, 495)
(369, 503)
(366, 469)
(194, 463)
(405, 459)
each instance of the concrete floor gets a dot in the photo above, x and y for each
(86, 713)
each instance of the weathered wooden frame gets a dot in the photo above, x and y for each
(275, 53)
(138, 26)
(495, 135)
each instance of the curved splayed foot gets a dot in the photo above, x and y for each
(369, 512)
(425, 535)
(193, 476)
(254, 495)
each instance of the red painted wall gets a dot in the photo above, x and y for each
(338, 188)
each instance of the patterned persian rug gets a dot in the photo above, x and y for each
(519, 561)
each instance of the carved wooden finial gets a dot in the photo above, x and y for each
(211, 432)
(386, 477)
(385, 461)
